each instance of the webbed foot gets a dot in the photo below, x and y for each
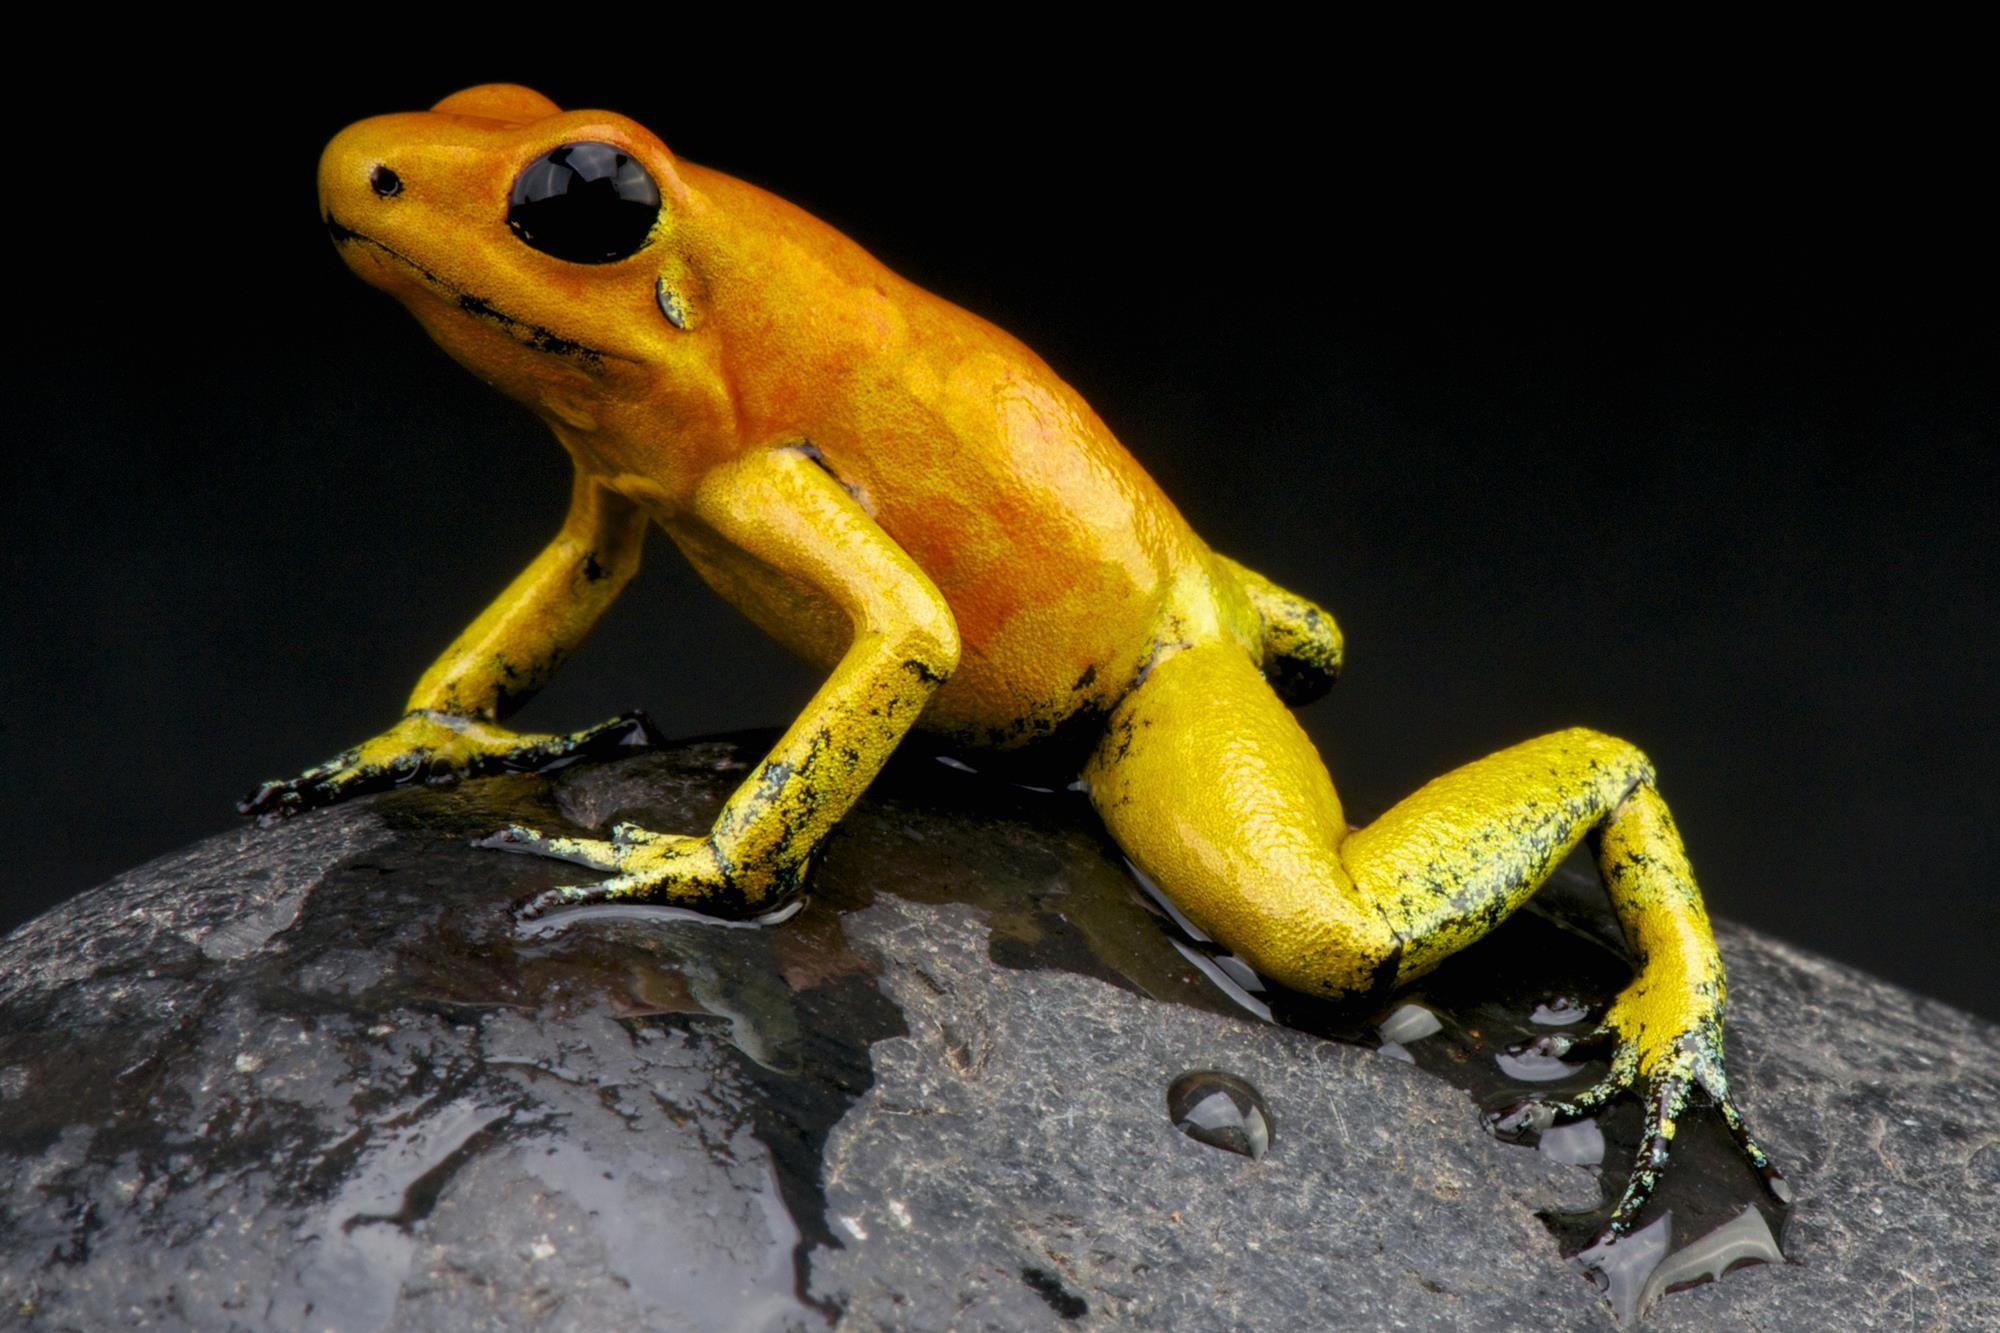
(1665, 1075)
(647, 867)
(439, 748)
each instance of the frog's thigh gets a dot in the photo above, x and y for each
(1211, 787)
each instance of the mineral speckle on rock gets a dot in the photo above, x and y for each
(310, 1076)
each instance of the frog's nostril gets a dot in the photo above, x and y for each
(385, 182)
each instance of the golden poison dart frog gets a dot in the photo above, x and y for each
(912, 500)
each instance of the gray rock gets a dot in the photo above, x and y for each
(309, 1076)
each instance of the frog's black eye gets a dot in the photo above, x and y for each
(589, 203)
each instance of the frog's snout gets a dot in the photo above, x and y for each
(384, 176)
(355, 172)
(378, 182)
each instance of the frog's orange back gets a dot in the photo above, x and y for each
(1053, 547)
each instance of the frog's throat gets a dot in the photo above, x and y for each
(537, 336)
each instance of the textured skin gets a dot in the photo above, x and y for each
(907, 496)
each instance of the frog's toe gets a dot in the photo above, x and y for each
(322, 784)
(1752, 1149)
(1521, 1121)
(1667, 1097)
(535, 906)
(627, 731)
(272, 801)
(627, 734)
(592, 852)
(627, 834)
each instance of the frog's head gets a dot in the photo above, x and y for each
(534, 244)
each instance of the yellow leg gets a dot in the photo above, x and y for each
(449, 728)
(1210, 786)
(779, 508)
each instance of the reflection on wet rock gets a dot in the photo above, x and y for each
(1621, 1266)
(311, 1076)
(1579, 1144)
(1636, 1270)
(1220, 1110)
(1559, 1011)
(1533, 1066)
(1408, 1023)
(1744, 1239)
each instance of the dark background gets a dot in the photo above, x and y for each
(1666, 406)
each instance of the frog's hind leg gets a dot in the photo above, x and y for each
(1212, 788)
(1208, 783)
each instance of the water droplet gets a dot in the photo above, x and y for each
(1410, 1022)
(1579, 1144)
(1559, 1011)
(1222, 1111)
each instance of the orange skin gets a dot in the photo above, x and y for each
(1051, 545)
(910, 498)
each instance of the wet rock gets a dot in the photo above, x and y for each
(310, 1076)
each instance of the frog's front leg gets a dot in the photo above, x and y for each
(1212, 788)
(779, 508)
(450, 725)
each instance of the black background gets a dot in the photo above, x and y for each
(1665, 405)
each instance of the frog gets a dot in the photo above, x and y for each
(913, 501)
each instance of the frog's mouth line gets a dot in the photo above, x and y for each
(540, 338)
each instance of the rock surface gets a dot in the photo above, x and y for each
(309, 1076)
